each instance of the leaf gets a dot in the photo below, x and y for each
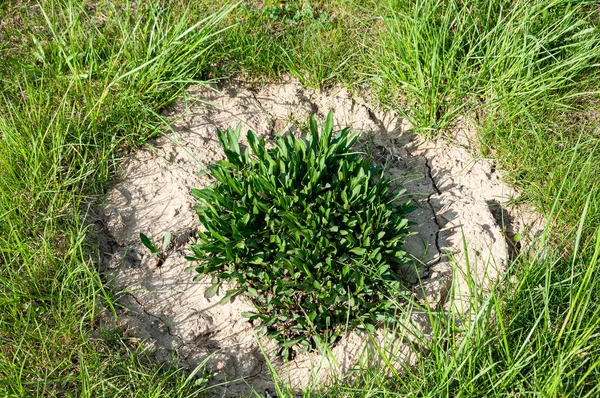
(345, 270)
(166, 241)
(261, 331)
(203, 172)
(148, 243)
(246, 219)
(370, 328)
(351, 302)
(201, 194)
(517, 238)
(234, 138)
(358, 250)
(253, 142)
(250, 315)
(215, 234)
(211, 291)
(228, 296)
(291, 343)
(328, 130)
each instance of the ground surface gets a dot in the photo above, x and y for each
(83, 83)
(456, 196)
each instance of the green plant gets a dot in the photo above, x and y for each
(159, 252)
(80, 85)
(62, 133)
(309, 230)
(446, 58)
(292, 13)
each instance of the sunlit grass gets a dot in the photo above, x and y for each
(82, 90)
(81, 84)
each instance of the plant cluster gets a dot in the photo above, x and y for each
(310, 230)
(293, 13)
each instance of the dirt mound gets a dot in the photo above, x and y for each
(456, 195)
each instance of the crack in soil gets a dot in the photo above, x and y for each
(375, 119)
(262, 108)
(182, 344)
(436, 191)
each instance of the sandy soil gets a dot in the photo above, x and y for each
(457, 195)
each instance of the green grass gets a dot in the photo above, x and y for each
(508, 58)
(80, 87)
(535, 334)
(74, 97)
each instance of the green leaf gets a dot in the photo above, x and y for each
(358, 250)
(328, 130)
(203, 172)
(211, 291)
(148, 243)
(517, 238)
(234, 138)
(215, 234)
(261, 331)
(346, 270)
(254, 143)
(291, 343)
(166, 241)
(370, 328)
(202, 194)
(228, 296)
(314, 129)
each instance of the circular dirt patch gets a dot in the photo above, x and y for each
(457, 196)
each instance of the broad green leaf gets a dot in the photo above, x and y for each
(234, 138)
(211, 291)
(328, 130)
(148, 243)
(228, 296)
(250, 315)
(370, 328)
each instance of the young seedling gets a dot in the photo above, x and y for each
(160, 253)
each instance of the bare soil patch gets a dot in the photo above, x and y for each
(457, 195)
